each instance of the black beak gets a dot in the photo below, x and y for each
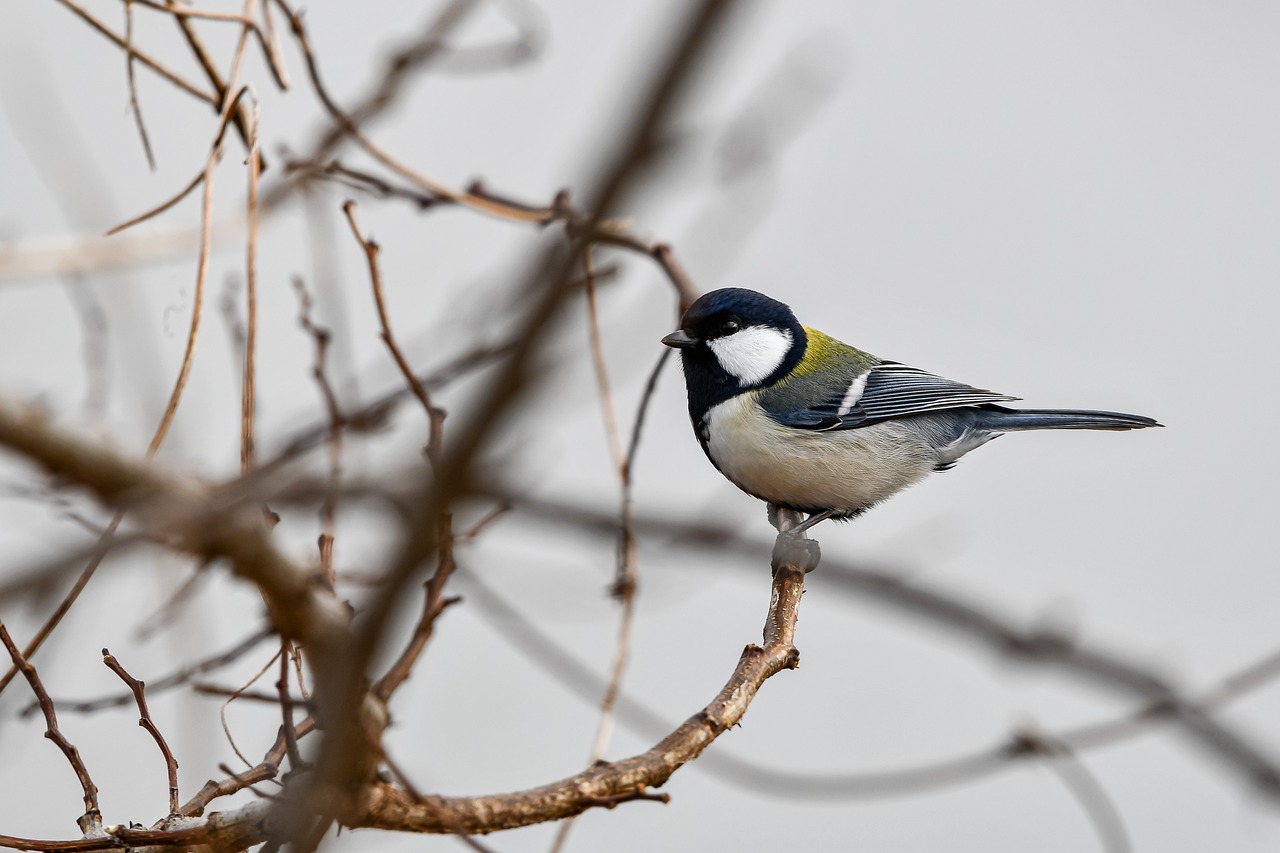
(680, 339)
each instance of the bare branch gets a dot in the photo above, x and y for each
(174, 679)
(138, 689)
(435, 415)
(134, 107)
(91, 820)
(141, 57)
(223, 88)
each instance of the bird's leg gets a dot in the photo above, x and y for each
(814, 519)
(794, 526)
(793, 547)
(784, 520)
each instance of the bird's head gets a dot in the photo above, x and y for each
(738, 339)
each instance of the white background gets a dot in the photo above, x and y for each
(1072, 202)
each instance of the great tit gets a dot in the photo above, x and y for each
(807, 423)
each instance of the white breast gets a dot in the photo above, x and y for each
(845, 470)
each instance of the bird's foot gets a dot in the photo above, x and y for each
(793, 547)
(796, 552)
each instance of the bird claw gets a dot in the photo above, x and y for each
(796, 552)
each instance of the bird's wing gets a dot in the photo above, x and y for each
(887, 390)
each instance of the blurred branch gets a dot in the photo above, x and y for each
(302, 609)
(603, 784)
(970, 620)
(1088, 791)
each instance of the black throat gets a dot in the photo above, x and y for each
(709, 384)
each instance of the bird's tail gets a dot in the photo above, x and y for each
(1000, 419)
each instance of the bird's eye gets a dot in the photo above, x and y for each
(728, 327)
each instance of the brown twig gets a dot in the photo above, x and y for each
(400, 64)
(605, 783)
(223, 88)
(163, 206)
(367, 182)
(175, 396)
(240, 694)
(174, 679)
(271, 44)
(54, 619)
(134, 107)
(91, 820)
(434, 603)
(235, 694)
(337, 422)
(138, 688)
(624, 586)
(264, 771)
(249, 374)
(590, 226)
(268, 41)
(435, 415)
(612, 433)
(193, 332)
(545, 289)
(232, 108)
(141, 57)
(286, 708)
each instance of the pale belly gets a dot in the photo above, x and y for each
(844, 470)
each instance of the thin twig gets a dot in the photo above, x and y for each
(612, 432)
(434, 603)
(265, 770)
(175, 396)
(141, 57)
(138, 688)
(193, 332)
(286, 707)
(624, 586)
(272, 46)
(54, 619)
(134, 107)
(173, 679)
(249, 374)
(163, 206)
(268, 41)
(221, 87)
(435, 415)
(589, 226)
(422, 51)
(337, 421)
(91, 820)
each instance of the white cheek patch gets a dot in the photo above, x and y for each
(753, 353)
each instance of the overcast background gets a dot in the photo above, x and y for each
(1077, 203)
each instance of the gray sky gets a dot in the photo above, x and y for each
(1076, 203)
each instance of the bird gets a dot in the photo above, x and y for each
(798, 419)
